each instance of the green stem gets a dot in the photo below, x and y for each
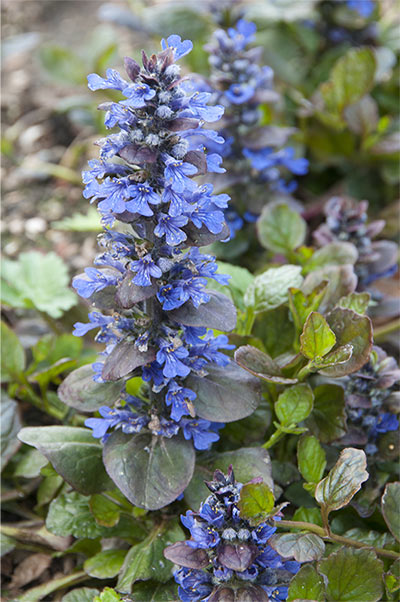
(305, 371)
(273, 439)
(291, 524)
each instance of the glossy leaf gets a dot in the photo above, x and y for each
(328, 418)
(81, 392)
(317, 339)
(341, 281)
(303, 547)
(144, 467)
(106, 564)
(340, 355)
(390, 508)
(343, 480)
(226, 394)
(10, 425)
(218, 313)
(80, 594)
(182, 554)
(128, 293)
(271, 288)
(261, 365)
(154, 592)
(73, 452)
(280, 228)
(294, 404)
(302, 305)
(256, 502)
(237, 557)
(307, 584)
(353, 575)
(146, 559)
(12, 355)
(124, 359)
(311, 458)
(350, 329)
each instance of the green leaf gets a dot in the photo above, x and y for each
(271, 288)
(108, 595)
(256, 502)
(357, 302)
(62, 65)
(154, 592)
(226, 394)
(294, 404)
(248, 462)
(69, 514)
(105, 512)
(327, 421)
(343, 481)
(240, 280)
(392, 578)
(308, 515)
(307, 584)
(105, 565)
(80, 222)
(303, 547)
(340, 355)
(10, 425)
(276, 330)
(281, 229)
(351, 78)
(390, 508)
(261, 365)
(12, 355)
(37, 281)
(350, 329)
(81, 392)
(317, 339)
(74, 454)
(146, 560)
(80, 594)
(311, 458)
(144, 467)
(352, 575)
(341, 280)
(334, 253)
(30, 464)
(302, 305)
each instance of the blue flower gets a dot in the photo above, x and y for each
(114, 193)
(238, 94)
(199, 108)
(365, 8)
(170, 296)
(180, 48)
(96, 320)
(176, 173)
(113, 81)
(145, 268)
(122, 418)
(198, 430)
(153, 372)
(214, 163)
(177, 204)
(119, 115)
(210, 348)
(385, 423)
(179, 398)
(138, 95)
(193, 288)
(94, 281)
(140, 197)
(205, 213)
(170, 357)
(169, 227)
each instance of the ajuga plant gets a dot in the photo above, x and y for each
(371, 398)
(227, 556)
(347, 221)
(258, 162)
(150, 280)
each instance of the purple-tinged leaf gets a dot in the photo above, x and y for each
(218, 313)
(261, 365)
(226, 394)
(201, 237)
(128, 293)
(198, 159)
(81, 392)
(181, 553)
(327, 421)
(303, 547)
(182, 123)
(132, 153)
(144, 467)
(237, 557)
(132, 68)
(124, 359)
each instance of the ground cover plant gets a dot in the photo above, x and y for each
(209, 411)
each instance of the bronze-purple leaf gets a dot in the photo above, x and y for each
(183, 123)
(123, 360)
(219, 313)
(181, 553)
(132, 68)
(201, 237)
(198, 159)
(136, 154)
(129, 293)
(237, 557)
